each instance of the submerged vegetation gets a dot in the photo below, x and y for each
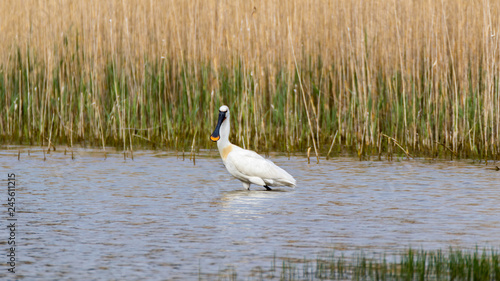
(371, 78)
(411, 265)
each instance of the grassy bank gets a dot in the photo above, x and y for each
(410, 265)
(368, 78)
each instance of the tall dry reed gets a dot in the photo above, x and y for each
(294, 73)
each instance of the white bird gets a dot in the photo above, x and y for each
(246, 165)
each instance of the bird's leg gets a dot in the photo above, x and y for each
(267, 187)
(246, 185)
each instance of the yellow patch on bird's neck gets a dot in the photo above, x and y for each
(226, 150)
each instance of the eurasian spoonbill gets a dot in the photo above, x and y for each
(246, 165)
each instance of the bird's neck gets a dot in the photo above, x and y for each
(223, 144)
(225, 147)
(224, 135)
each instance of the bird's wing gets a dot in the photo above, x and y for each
(252, 164)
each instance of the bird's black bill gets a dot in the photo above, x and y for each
(215, 135)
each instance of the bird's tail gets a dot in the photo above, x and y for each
(291, 182)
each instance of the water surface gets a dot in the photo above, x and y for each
(164, 218)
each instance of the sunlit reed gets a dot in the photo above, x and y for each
(153, 73)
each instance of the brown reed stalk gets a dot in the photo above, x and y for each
(424, 72)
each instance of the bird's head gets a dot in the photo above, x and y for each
(223, 121)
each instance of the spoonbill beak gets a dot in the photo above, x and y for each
(215, 135)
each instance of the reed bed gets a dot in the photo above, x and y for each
(453, 264)
(416, 78)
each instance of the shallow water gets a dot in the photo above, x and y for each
(160, 217)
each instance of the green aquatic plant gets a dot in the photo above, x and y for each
(453, 264)
(385, 78)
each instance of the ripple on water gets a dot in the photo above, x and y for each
(164, 217)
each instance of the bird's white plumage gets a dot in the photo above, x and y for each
(246, 165)
(250, 164)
